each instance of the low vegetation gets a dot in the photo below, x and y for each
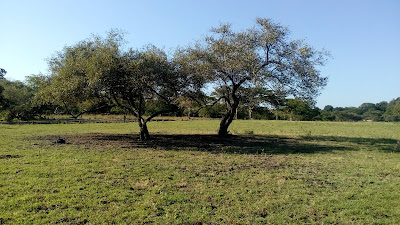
(267, 172)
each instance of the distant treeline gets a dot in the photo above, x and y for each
(382, 111)
(297, 110)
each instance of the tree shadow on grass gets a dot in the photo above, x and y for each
(245, 144)
(241, 144)
(383, 144)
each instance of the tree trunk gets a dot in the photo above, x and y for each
(144, 132)
(223, 126)
(227, 119)
(250, 112)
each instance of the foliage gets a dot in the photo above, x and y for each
(215, 111)
(392, 112)
(300, 110)
(68, 87)
(15, 100)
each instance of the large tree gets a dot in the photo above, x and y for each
(138, 79)
(142, 78)
(261, 56)
(68, 87)
(99, 70)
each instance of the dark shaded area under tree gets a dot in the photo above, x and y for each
(237, 144)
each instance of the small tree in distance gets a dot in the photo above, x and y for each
(2, 73)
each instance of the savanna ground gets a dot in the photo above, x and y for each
(267, 172)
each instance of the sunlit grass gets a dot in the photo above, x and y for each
(352, 178)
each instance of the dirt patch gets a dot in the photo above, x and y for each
(244, 144)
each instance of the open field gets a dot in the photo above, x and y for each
(268, 172)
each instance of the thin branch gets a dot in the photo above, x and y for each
(156, 114)
(125, 107)
(159, 95)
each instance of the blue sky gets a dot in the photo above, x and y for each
(363, 36)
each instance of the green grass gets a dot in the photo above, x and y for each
(282, 173)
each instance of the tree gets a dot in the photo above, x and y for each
(346, 115)
(15, 100)
(365, 107)
(393, 111)
(328, 108)
(189, 106)
(261, 56)
(2, 73)
(301, 110)
(381, 106)
(68, 86)
(373, 115)
(140, 78)
(37, 83)
(215, 111)
(97, 71)
(253, 97)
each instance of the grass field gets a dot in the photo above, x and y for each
(268, 172)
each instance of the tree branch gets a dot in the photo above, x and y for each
(156, 114)
(125, 107)
(159, 95)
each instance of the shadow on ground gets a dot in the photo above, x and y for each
(242, 144)
(383, 144)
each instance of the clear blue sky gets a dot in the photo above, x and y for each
(362, 35)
